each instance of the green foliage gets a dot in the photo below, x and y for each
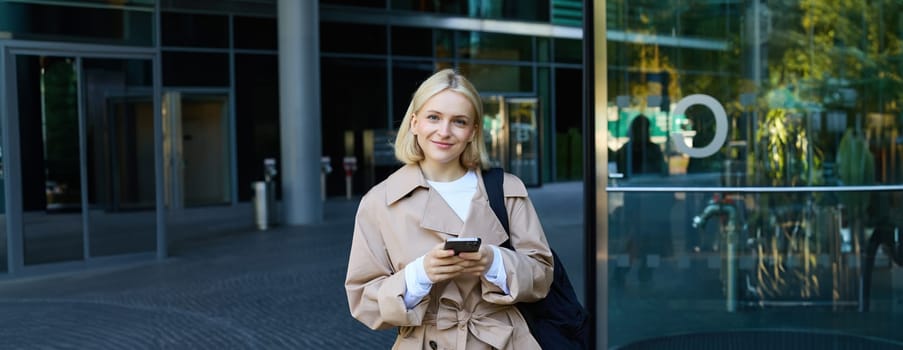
(855, 167)
(785, 155)
(60, 124)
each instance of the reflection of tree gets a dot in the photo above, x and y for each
(825, 44)
(61, 130)
(783, 153)
(807, 62)
(826, 56)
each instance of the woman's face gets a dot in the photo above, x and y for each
(444, 126)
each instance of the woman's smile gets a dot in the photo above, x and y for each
(443, 145)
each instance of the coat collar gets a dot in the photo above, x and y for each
(403, 181)
(438, 216)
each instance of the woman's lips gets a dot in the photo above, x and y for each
(442, 144)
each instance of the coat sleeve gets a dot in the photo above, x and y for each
(529, 266)
(375, 291)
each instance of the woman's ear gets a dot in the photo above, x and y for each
(413, 124)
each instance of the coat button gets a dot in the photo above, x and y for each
(433, 345)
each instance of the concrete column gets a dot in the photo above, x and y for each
(299, 111)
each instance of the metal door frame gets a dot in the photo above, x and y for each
(9, 49)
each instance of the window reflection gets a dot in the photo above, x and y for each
(810, 93)
(794, 82)
(126, 23)
(480, 45)
(751, 261)
(509, 9)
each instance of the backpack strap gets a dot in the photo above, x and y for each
(494, 179)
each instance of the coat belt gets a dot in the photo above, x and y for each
(479, 323)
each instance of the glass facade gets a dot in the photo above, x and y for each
(755, 184)
(504, 64)
(53, 219)
(99, 22)
(86, 157)
(119, 141)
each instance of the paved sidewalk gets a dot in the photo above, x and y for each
(279, 289)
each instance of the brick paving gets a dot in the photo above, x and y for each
(279, 289)
(242, 289)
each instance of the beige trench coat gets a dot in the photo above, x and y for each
(401, 219)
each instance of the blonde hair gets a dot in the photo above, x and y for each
(406, 148)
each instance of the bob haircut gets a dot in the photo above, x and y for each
(406, 148)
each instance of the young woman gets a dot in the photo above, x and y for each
(400, 275)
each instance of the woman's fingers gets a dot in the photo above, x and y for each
(477, 262)
(441, 264)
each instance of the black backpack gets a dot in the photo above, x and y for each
(558, 321)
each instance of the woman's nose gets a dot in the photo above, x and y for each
(444, 128)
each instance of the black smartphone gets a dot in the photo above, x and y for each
(463, 244)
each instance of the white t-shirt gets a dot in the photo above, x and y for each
(458, 193)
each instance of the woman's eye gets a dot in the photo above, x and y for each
(432, 117)
(461, 122)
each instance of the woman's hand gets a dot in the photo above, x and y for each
(477, 263)
(442, 265)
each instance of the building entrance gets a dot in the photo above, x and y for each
(511, 133)
(196, 141)
(80, 158)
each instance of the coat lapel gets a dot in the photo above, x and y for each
(439, 216)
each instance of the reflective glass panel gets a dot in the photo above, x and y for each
(406, 77)
(345, 124)
(791, 104)
(255, 33)
(703, 269)
(498, 78)
(119, 122)
(411, 41)
(194, 30)
(530, 10)
(359, 3)
(755, 94)
(195, 149)
(93, 24)
(568, 51)
(51, 173)
(523, 140)
(568, 125)
(348, 38)
(3, 236)
(511, 135)
(493, 46)
(256, 117)
(195, 69)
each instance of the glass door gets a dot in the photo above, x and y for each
(86, 147)
(3, 235)
(52, 222)
(119, 123)
(524, 139)
(494, 130)
(196, 140)
(511, 134)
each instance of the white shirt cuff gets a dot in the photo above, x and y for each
(496, 273)
(417, 283)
